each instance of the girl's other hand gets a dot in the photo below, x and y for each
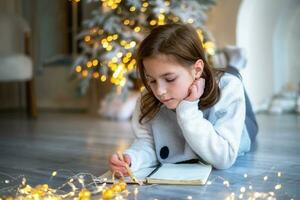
(196, 90)
(117, 165)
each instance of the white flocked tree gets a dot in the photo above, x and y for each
(111, 36)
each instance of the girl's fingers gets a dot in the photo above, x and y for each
(196, 90)
(116, 161)
(202, 81)
(193, 91)
(201, 86)
(119, 170)
(127, 159)
(118, 165)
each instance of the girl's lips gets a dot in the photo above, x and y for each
(165, 100)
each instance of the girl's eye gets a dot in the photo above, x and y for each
(152, 81)
(170, 80)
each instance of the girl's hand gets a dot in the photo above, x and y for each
(115, 164)
(196, 90)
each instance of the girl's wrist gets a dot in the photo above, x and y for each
(186, 105)
(186, 110)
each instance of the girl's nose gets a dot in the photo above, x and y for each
(160, 90)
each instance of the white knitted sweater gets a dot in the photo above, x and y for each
(217, 135)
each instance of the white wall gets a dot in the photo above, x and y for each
(268, 31)
(292, 44)
(221, 22)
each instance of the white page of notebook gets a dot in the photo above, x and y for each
(143, 173)
(182, 172)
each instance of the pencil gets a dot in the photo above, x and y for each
(134, 179)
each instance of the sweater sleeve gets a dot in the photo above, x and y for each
(216, 142)
(142, 151)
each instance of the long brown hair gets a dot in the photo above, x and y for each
(182, 43)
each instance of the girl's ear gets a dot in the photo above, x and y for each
(198, 67)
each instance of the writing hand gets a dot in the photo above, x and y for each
(118, 165)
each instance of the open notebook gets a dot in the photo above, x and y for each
(176, 174)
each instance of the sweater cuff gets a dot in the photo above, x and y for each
(186, 107)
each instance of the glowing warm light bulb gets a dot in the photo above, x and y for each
(109, 48)
(161, 16)
(142, 88)
(279, 174)
(78, 68)
(278, 186)
(242, 189)
(226, 183)
(200, 34)
(137, 29)
(54, 173)
(190, 20)
(132, 9)
(103, 41)
(89, 64)
(175, 19)
(153, 22)
(115, 36)
(209, 47)
(123, 42)
(125, 60)
(96, 75)
(100, 31)
(105, 45)
(129, 54)
(109, 38)
(95, 62)
(132, 43)
(145, 4)
(114, 59)
(87, 38)
(119, 54)
(122, 82)
(85, 73)
(103, 78)
(126, 22)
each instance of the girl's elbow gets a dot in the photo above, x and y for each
(225, 165)
(226, 162)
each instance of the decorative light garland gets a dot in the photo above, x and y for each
(83, 185)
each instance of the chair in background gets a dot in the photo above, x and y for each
(15, 60)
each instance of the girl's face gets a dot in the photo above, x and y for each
(169, 81)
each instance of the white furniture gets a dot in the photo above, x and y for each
(15, 61)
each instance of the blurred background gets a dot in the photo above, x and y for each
(62, 43)
(266, 30)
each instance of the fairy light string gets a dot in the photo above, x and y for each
(83, 186)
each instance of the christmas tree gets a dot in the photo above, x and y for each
(111, 36)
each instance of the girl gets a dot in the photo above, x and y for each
(189, 110)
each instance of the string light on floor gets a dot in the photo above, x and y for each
(83, 186)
